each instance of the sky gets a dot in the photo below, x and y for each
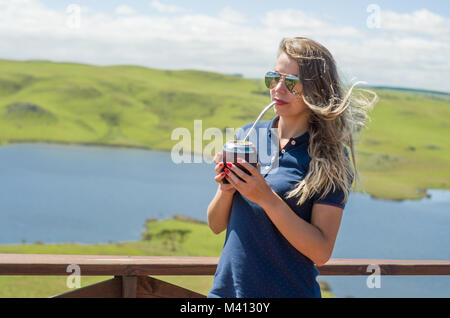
(384, 43)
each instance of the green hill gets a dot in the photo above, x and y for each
(118, 105)
(404, 150)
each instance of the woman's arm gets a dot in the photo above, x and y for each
(315, 240)
(219, 211)
(220, 206)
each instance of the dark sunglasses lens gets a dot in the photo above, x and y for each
(290, 83)
(271, 79)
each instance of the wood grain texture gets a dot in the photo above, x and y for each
(131, 287)
(149, 287)
(111, 288)
(106, 265)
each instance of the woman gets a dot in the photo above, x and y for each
(281, 225)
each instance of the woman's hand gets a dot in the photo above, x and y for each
(254, 187)
(226, 188)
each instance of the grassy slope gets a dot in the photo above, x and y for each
(120, 105)
(405, 148)
(160, 238)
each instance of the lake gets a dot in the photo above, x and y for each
(55, 193)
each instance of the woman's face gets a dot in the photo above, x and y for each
(288, 104)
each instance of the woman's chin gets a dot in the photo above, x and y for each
(287, 111)
(280, 109)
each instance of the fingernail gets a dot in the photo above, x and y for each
(228, 165)
(222, 174)
(227, 171)
(221, 164)
(239, 160)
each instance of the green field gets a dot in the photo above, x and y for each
(404, 151)
(167, 237)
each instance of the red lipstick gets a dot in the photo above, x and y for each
(279, 101)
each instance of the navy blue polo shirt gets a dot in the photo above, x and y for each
(256, 260)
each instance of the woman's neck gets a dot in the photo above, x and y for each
(292, 126)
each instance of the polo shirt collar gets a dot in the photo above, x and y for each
(299, 140)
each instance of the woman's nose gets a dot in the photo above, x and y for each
(280, 87)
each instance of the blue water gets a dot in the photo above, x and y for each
(54, 193)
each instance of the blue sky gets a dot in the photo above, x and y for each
(410, 47)
(332, 7)
(353, 12)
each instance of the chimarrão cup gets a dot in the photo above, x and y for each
(232, 150)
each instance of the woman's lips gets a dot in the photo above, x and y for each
(279, 101)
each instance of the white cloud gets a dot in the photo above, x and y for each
(227, 43)
(421, 22)
(124, 10)
(299, 22)
(165, 8)
(231, 15)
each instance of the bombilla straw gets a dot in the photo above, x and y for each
(258, 119)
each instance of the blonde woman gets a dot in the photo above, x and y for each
(281, 223)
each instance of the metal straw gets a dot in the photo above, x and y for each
(258, 119)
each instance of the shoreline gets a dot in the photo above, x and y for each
(423, 192)
(177, 217)
(75, 143)
(85, 144)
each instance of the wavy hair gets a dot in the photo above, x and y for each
(338, 115)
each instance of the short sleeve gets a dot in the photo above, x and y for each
(332, 198)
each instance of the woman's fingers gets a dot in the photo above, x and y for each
(218, 157)
(219, 177)
(250, 168)
(219, 162)
(219, 167)
(236, 182)
(224, 186)
(244, 176)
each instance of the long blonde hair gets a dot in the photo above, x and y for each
(337, 115)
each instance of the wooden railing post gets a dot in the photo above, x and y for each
(129, 286)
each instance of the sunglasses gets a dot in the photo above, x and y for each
(272, 79)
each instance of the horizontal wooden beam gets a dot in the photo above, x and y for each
(350, 267)
(108, 265)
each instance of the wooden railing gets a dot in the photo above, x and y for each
(132, 273)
